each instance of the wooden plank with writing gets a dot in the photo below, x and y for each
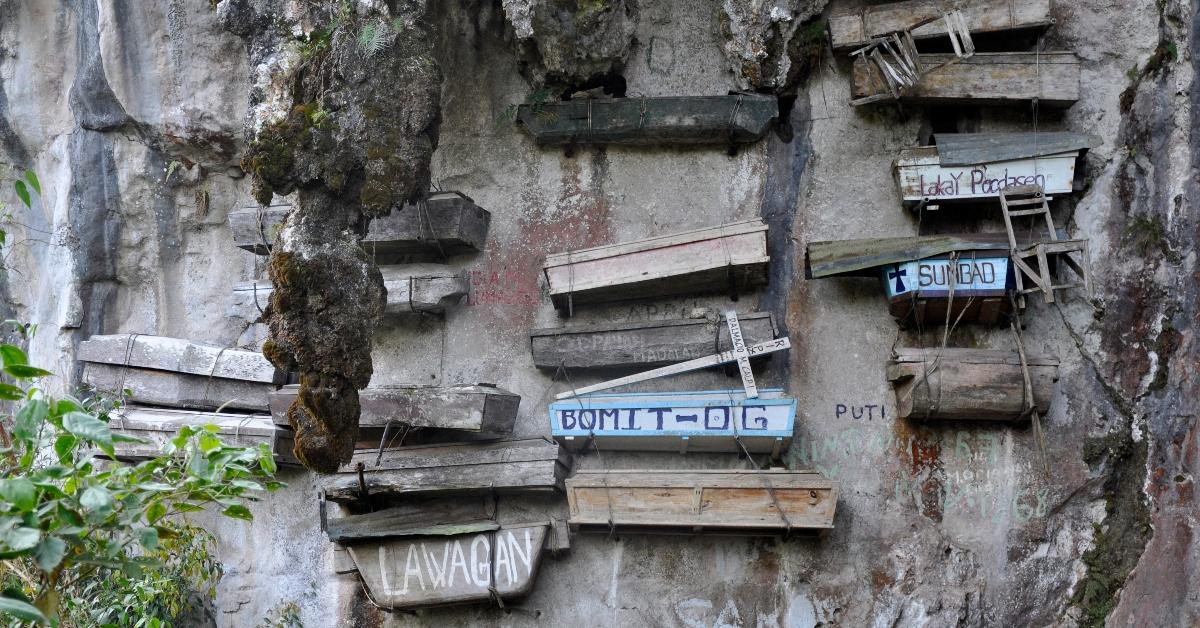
(855, 28)
(702, 260)
(480, 408)
(921, 177)
(404, 573)
(768, 502)
(968, 384)
(985, 78)
(642, 344)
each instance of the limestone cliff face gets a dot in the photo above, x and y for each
(136, 116)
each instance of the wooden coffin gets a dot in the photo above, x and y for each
(414, 572)
(976, 286)
(532, 464)
(854, 28)
(973, 166)
(179, 373)
(748, 502)
(157, 426)
(726, 257)
(411, 289)
(449, 224)
(480, 408)
(703, 421)
(969, 384)
(733, 119)
(642, 344)
(997, 78)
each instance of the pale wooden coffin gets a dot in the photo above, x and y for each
(986, 78)
(514, 465)
(644, 343)
(411, 289)
(439, 570)
(702, 421)
(732, 119)
(748, 502)
(970, 384)
(176, 372)
(856, 27)
(726, 257)
(450, 223)
(157, 426)
(479, 408)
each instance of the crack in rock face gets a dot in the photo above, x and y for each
(567, 42)
(768, 46)
(356, 143)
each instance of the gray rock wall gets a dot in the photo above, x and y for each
(938, 525)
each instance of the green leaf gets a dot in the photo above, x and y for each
(148, 537)
(156, 511)
(29, 418)
(155, 486)
(125, 438)
(88, 427)
(21, 539)
(247, 485)
(208, 442)
(8, 392)
(238, 511)
(12, 354)
(71, 517)
(19, 492)
(22, 192)
(50, 553)
(95, 499)
(33, 181)
(64, 446)
(21, 610)
(24, 371)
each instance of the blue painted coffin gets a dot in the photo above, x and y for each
(701, 421)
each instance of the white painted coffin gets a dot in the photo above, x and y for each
(849, 29)
(920, 176)
(702, 260)
(480, 408)
(404, 573)
(157, 426)
(703, 421)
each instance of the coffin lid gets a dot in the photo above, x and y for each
(862, 257)
(656, 242)
(137, 418)
(178, 355)
(965, 149)
(613, 327)
(970, 356)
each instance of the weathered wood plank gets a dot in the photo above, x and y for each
(423, 517)
(703, 421)
(769, 501)
(531, 464)
(437, 571)
(702, 260)
(178, 355)
(642, 344)
(160, 425)
(179, 390)
(970, 384)
(921, 177)
(733, 119)
(478, 408)
(985, 78)
(450, 224)
(855, 28)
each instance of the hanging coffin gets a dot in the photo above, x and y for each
(1052, 78)
(970, 384)
(708, 421)
(157, 426)
(482, 408)
(967, 166)
(532, 464)
(768, 502)
(853, 29)
(178, 373)
(642, 344)
(451, 568)
(727, 257)
(449, 223)
(733, 119)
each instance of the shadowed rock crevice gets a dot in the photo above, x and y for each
(561, 43)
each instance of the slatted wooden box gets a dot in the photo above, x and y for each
(481, 408)
(733, 119)
(768, 502)
(178, 373)
(727, 257)
(987, 78)
(701, 421)
(969, 384)
(854, 28)
(535, 464)
(643, 344)
(157, 426)
(449, 224)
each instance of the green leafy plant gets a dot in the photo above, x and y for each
(286, 615)
(537, 102)
(76, 525)
(377, 35)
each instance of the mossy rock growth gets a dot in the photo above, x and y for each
(356, 143)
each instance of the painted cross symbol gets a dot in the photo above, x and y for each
(897, 274)
(740, 354)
